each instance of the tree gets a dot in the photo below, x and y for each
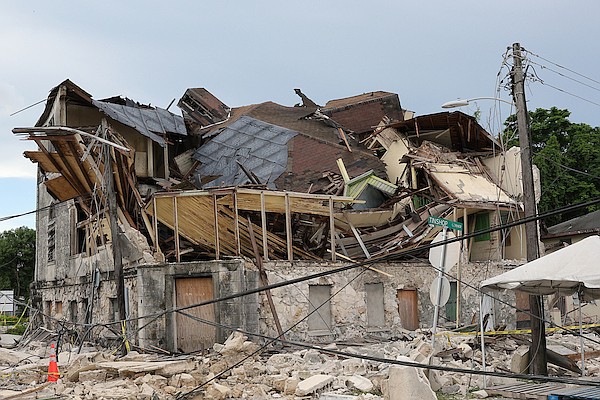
(17, 260)
(568, 157)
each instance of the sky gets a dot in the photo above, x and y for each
(247, 52)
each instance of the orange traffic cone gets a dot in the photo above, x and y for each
(53, 374)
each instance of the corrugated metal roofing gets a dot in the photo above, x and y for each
(259, 146)
(356, 185)
(147, 121)
(588, 222)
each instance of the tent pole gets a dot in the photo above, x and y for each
(581, 336)
(482, 328)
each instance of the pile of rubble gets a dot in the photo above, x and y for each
(238, 369)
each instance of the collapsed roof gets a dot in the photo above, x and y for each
(300, 159)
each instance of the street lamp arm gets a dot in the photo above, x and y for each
(465, 102)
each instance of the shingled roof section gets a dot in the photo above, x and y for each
(259, 146)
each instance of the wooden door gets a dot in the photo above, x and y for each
(408, 308)
(193, 335)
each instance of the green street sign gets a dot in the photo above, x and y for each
(458, 226)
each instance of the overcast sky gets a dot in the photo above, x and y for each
(248, 52)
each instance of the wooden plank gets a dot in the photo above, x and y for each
(524, 390)
(408, 308)
(60, 188)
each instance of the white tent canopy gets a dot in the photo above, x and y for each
(575, 268)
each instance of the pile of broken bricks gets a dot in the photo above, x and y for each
(90, 373)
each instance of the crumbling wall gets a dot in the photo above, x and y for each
(350, 304)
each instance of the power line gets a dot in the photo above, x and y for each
(568, 168)
(538, 79)
(560, 66)
(563, 75)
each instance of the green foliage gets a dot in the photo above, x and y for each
(17, 260)
(18, 329)
(559, 147)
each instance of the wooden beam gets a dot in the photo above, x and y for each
(264, 280)
(332, 230)
(288, 228)
(176, 223)
(236, 223)
(216, 222)
(358, 239)
(155, 223)
(263, 220)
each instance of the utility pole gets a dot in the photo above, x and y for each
(537, 351)
(114, 233)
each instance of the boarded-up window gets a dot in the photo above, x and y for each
(318, 297)
(482, 221)
(375, 309)
(73, 310)
(113, 309)
(58, 309)
(408, 308)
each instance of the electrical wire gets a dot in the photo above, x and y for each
(568, 168)
(542, 66)
(538, 79)
(560, 66)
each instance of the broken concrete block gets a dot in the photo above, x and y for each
(359, 383)
(278, 382)
(312, 384)
(146, 391)
(452, 389)
(171, 368)
(520, 360)
(182, 380)
(480, 394)
(234, 344)
(94, 375)
(12, 356)
(9, 341)
(405, 383)
(291, 384)
(467, 351)
(218, 391)
(352, 366)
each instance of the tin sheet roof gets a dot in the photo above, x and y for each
(150, 122)
(260, 147)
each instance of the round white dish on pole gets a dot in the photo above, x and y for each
(444, 294)
(452, 252)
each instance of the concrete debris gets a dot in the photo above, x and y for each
(230, 371)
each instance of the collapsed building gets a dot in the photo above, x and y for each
(222, 201)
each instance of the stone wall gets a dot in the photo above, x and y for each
(349, 304)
